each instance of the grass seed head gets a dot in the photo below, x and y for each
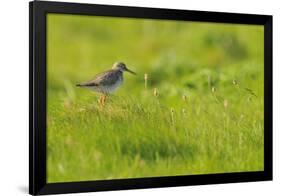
(145, 80)
(184, 98)
(225, 104)
(172, 116)
(145, 76)
(155, 92)
(214, 89)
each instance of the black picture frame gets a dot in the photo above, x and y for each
(37, 97)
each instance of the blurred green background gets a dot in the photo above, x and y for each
(206, 118)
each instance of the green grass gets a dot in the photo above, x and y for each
(138, 134)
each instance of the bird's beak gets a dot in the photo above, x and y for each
(130, 71)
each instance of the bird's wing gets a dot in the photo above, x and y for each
(102, 79)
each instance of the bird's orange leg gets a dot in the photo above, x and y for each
(100, 100)
(104, 99)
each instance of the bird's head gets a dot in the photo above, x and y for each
(122, 67)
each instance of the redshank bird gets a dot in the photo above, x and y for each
(107, 82)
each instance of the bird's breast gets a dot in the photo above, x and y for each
(114, 86)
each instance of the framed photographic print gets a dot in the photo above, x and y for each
(131, 97)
